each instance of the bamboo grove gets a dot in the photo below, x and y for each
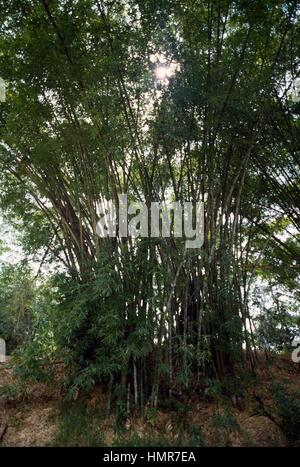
(85, 117)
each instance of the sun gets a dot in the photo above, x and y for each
(162, 72)
(164, 68)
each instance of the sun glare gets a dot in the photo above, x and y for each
(162, 72)
(164, 68)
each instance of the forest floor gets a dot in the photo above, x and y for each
(38, 415)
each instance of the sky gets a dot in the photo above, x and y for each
(10, 250)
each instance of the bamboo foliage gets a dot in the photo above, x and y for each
(86, 117)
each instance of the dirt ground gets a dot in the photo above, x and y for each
(30, 415)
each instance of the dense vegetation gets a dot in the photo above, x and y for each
(86, 117)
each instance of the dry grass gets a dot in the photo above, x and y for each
(33, 416)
